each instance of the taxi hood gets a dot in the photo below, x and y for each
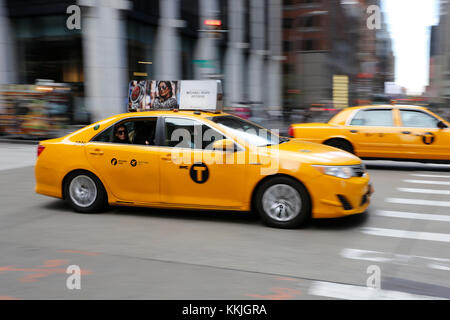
(314, 153)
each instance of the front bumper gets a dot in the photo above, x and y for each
(337, 197)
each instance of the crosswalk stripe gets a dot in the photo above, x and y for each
(438, 267)
(427, 191)
(411, 215)
(352, 292)
(419, 202)
(383, 257)
(430, 175)
(441, 237)
(444, 183)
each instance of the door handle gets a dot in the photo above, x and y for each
(353, 131)
(167, 157)
(406, 132)
(96, 152)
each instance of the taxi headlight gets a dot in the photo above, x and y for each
(343, 172)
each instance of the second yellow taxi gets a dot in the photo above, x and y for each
(395, 132)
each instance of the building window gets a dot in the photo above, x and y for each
(287, 46)
(287, 23)
(311, 22)
(308, 45)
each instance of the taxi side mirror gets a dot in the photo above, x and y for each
(441, 125)
(224, 145)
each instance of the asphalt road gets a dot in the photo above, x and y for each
(138, 253)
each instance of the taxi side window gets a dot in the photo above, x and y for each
(105, 136)
(136, 131)
(417, 119)
(188, 133)
(378, 118)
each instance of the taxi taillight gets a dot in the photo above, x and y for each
(40, 149)
(291, 131)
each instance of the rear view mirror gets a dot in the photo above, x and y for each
(441, 125)
(224, 145)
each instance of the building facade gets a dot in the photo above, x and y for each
(121, 40)
(438, 90)
(328, 39)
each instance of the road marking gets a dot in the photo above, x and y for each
(430, 175)
(8, 298)
(411, 215)
(441, 237)
(438, 267)
(279, 294)
(351, 292)
(444, 183)
(383, 257)
(428, 191)
(419, 202)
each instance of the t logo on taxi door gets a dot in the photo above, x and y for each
(199, 173)
(428, 138)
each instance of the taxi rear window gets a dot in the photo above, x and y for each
(378, 118)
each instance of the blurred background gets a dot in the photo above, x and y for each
(67, 63)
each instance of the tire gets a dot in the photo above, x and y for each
(85, 193)
(340, 144)
(283, 202)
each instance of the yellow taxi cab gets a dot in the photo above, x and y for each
(394, 132)
(201, 160)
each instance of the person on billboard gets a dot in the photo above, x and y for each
(165, 98)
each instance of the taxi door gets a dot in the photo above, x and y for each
(421, 138)
(193, 174)
(130, 171)
(374, 133)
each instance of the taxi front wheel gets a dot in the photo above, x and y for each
(283, 202)
(85, 192)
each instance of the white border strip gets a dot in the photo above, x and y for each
(430, 175)
(351, 292)
(419, 202)
(444, 183)
(405, 234)
(412, 215)
(427, 191)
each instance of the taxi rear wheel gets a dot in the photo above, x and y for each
(283, 202)
(85, 192)
(340, 144)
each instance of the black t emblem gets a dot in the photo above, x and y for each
(133, 163)
(199, 173)
(428, 138)
(114, 161)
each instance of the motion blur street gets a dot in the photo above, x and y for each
(138, 253)
(121, 103)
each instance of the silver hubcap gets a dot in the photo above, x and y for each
(83, 191)
(282, 202)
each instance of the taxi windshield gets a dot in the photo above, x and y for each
(251, 133)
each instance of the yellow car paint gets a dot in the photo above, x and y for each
(162, 176)
(399, 141)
